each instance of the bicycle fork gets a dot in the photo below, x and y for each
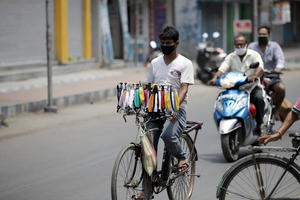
(259, 179)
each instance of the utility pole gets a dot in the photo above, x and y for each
(255, 19)
(136, 28)
(270, 14)
(50, 107)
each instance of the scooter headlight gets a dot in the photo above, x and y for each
(219, 106)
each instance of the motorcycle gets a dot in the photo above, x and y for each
(209, 58)
(153, 53)
(234, 114)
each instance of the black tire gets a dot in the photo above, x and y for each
(241, 182)
(182, 188)
(126, 179)
(229, 148)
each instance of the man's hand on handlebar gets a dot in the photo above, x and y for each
(278, 70)
(172, 118)
(212, 81)
(251, 78)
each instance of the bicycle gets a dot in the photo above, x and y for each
(263, 176)
(128, 174)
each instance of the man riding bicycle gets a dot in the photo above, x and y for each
(273, 59)
(173, 69)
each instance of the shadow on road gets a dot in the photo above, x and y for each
(219, 158)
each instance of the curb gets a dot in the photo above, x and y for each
(64, 101)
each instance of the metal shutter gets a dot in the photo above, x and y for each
(22, 32)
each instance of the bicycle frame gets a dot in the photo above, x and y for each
(191, 126)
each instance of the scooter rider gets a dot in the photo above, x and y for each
(239, 61)
(273, 59)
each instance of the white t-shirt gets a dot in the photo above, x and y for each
(180, 70)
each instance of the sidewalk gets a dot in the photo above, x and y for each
(74, 88)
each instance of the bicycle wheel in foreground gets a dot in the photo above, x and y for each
(126, 179)
(182, 187)
(242, 180)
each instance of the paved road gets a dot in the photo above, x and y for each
(69, 155)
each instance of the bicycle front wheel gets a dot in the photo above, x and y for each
(261, 178)
(126, 180)
(182, 187)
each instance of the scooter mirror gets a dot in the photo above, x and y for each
(153, 44)
(205, 35)
(216, 34)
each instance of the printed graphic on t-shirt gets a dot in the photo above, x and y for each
(175, 73)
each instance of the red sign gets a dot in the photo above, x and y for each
(242, 26)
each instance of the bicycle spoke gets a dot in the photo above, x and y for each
(182, 187)
(127, 180)
(237, 194)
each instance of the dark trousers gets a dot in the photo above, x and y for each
(256, 97)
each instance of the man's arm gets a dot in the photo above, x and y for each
(258, 73)
(214, 79)
(279, 57)
(224, 68)
(289, 120)
(184, 87)
(259, 70)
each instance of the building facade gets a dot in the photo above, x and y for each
(105, 31)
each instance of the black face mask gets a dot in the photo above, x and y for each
(167, 50)
(263, 40)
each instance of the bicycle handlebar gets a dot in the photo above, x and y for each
(147, 115)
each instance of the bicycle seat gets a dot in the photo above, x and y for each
(190, 125)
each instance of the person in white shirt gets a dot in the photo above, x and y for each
(173, 69)
(239, 61)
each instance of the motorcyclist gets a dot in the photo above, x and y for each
(273, 59)
(239, 61)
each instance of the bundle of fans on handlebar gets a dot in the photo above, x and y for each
(152, 99)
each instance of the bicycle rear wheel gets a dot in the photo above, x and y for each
(255, 180)
(182, 187)
(127, 174)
